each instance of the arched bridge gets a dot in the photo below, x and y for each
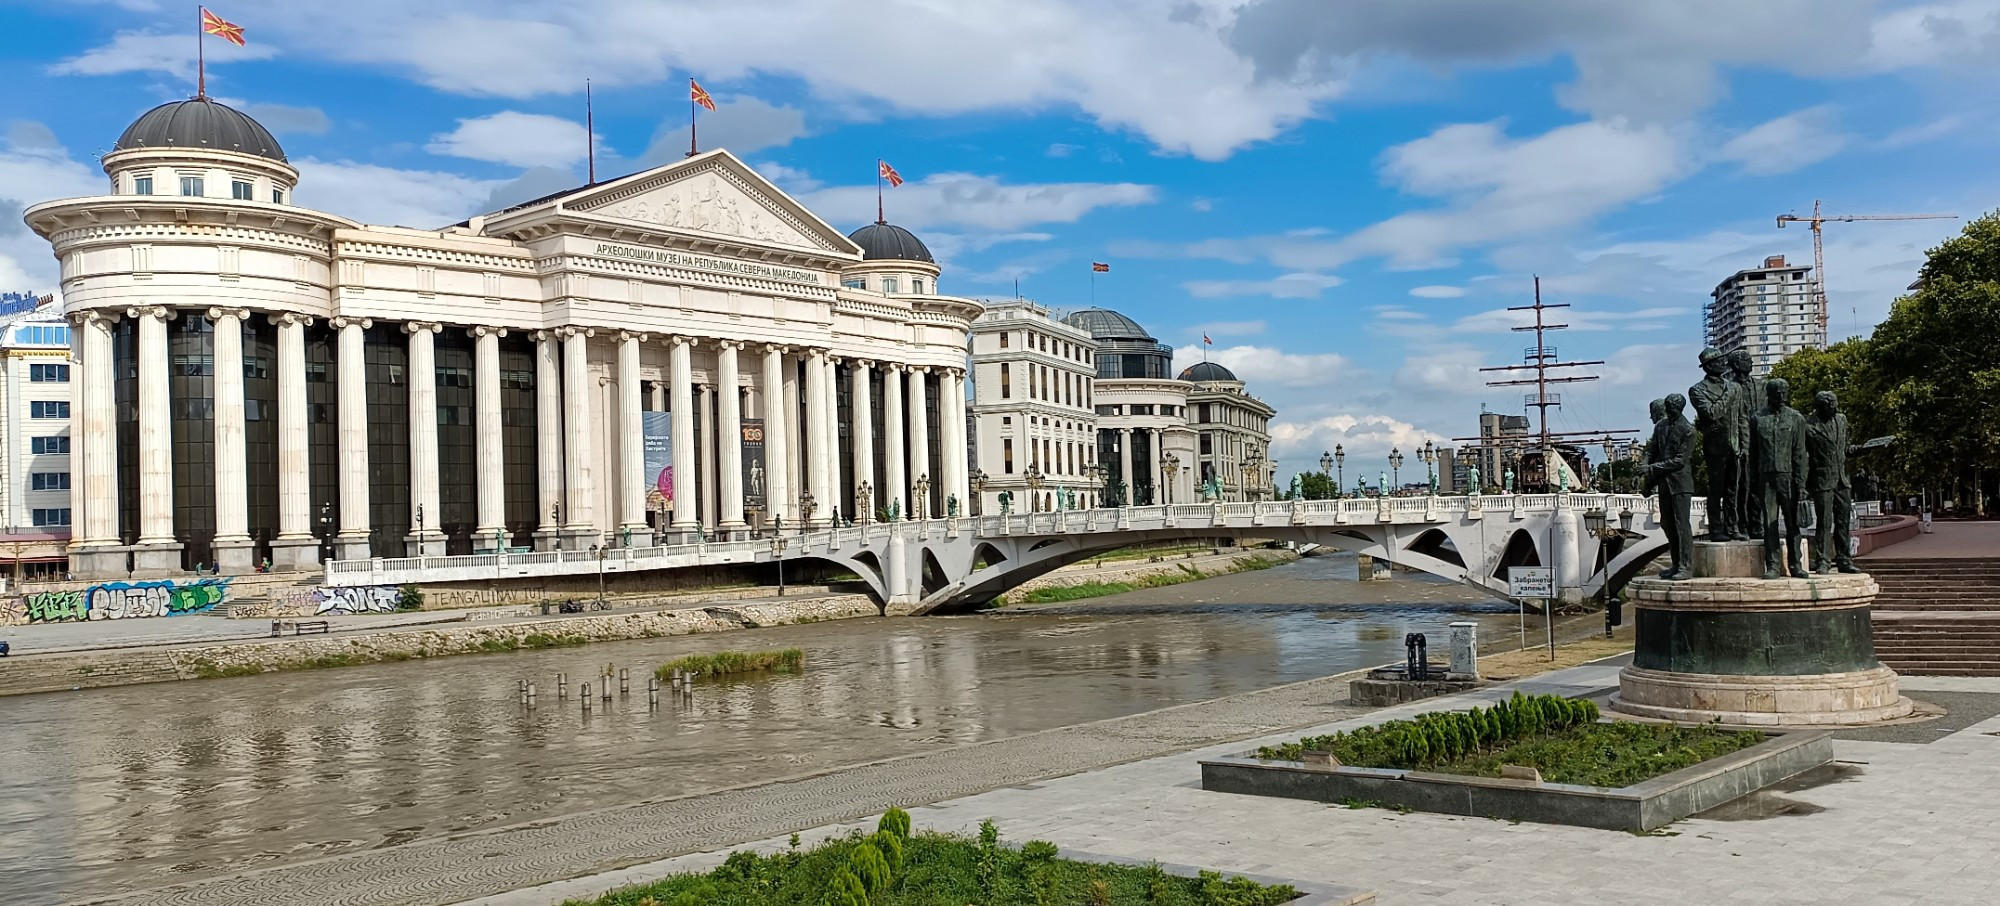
(957, 563)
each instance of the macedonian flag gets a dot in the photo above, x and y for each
(883, 170)
(220, 27)
(697, 95)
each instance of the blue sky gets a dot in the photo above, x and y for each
(1344, 194)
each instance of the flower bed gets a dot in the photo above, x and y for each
(893, 867)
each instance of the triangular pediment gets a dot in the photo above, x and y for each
(716, 195)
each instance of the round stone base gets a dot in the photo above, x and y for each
(1826, 699)
(1728, 559)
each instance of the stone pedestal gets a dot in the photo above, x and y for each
(293, 554)
(105, 561)
(156, 560)
(235, 557)
(1747, 651)
(351, 547)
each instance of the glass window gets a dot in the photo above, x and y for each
(889, 285)
(1007, 453)
(191, 185)
(854, 283)
(277, 196)
(48, 409)
(59, 516)
(54, 444)
(917, 285)
(1006, 381)
(142, 185)
(48, 374)
(241, 191)
(1003, 339)
(49, 481)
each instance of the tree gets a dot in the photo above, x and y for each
(1314, 486)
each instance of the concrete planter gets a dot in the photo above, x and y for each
(1641, 807)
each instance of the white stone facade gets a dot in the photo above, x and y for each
(1235, 437)
(356, 391)
(1033, 405)
(35, 473)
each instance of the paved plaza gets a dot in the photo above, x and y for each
(1909, 821)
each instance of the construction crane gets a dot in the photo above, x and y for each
(1819, 255)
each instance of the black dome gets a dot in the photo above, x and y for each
(1105, 324)
(888, 242)
(199, 123)
(1207, 371)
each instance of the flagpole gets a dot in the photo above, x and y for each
(691, 118)
(878, 192)
(589, 133)
(200, 54)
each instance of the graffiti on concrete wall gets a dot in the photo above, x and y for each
(123, 601)
(355, 599)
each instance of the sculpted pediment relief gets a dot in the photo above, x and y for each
(714, 200)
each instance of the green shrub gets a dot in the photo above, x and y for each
(722, 663)
(1438, 737)
(895, 821)
(409, 597)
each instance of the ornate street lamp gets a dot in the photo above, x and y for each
(863, 496)
(555, 519)
(1429, 455)
(420, 530)
(806, 506)
(1339, 470)
(1034, 477)
(923, 502)
(1395, 469)
(1170, 468)
(978, 492)
(1610, 474)
(325, 537)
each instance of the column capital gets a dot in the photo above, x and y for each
(675, 339)
(624, 335)
(778, 348)
(571, 330)
(416, 327)
(815, 352)
(893, 367)
(89, 316)
(861, 363)
(729, 344)
(343, 322)
(219, 312)
(917, 369)
(290, 318)
(485, 330)
(149, 311)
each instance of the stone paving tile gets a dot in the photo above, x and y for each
(1917, 825)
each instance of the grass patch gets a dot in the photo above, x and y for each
(1179, 573)
(892, 867)
(721, 663)
(1557, 736)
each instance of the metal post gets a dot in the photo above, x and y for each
(562, 686)
(585, 696)
(653, 691)
(624, 681)
(531, 693)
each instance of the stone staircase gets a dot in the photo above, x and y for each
(1938, 617)
(20, 675)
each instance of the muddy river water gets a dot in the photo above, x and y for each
(129, 788)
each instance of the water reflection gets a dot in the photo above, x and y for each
(130, 788)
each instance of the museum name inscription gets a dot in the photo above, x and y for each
(702, 263)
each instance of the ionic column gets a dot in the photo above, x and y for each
(895, 480)
(862, 418)
(548, 438)
(579, 461)
(424, 512)
(680, 358)
(1158, 476)
(352, 374)
(492, 489)
(1125, 466)
(815, 434)
(704, 455)
(94, 443)
(919, 443)
(831, 383)
(295, 547)
(156, 462)
(232, 499)
(777, 441)
(631, 441)
(729, 435)
(954, 432)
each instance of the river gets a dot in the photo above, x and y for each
(134, 787)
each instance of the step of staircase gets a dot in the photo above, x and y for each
(51, 673)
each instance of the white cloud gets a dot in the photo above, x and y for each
(972, 200)
(1201, 206)
(1060, 149)
(1437, 292)
(1269, 366)
(1365, 439)
(514, 138)
(1787, 143)
(1952, 33)
(170, 53)
(423, 199)
(1284, 286)
(947, 246)
(742, 124)
(285, 118)
(34, 167)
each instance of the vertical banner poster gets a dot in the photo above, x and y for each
(753, 464)
(659, 459)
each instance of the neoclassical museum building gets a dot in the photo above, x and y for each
(682, 351)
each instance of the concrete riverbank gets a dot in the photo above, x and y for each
(131, 666)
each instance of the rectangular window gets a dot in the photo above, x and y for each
(191, 185)
(917, 285)
(49, 481)
(242, 191)
(1007, 454)
(48, 374)
(1003, 339)
(50, 445)
(277, 196)
(889, 285)
(59, 516)
(854, 283)
(48, 409)
(1006, 381)
(142, 185)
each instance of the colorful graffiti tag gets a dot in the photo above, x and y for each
(355, 599)
(124, 601)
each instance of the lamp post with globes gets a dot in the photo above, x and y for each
(978, 477)
(1610, 471)
(920, 508)
(1169, 469)
(1251, 473)
(1034, 478)
(863, 497)
(1339, 470)
(1395, 470)
(1429, 455)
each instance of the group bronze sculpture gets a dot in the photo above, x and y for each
(1763, 459)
